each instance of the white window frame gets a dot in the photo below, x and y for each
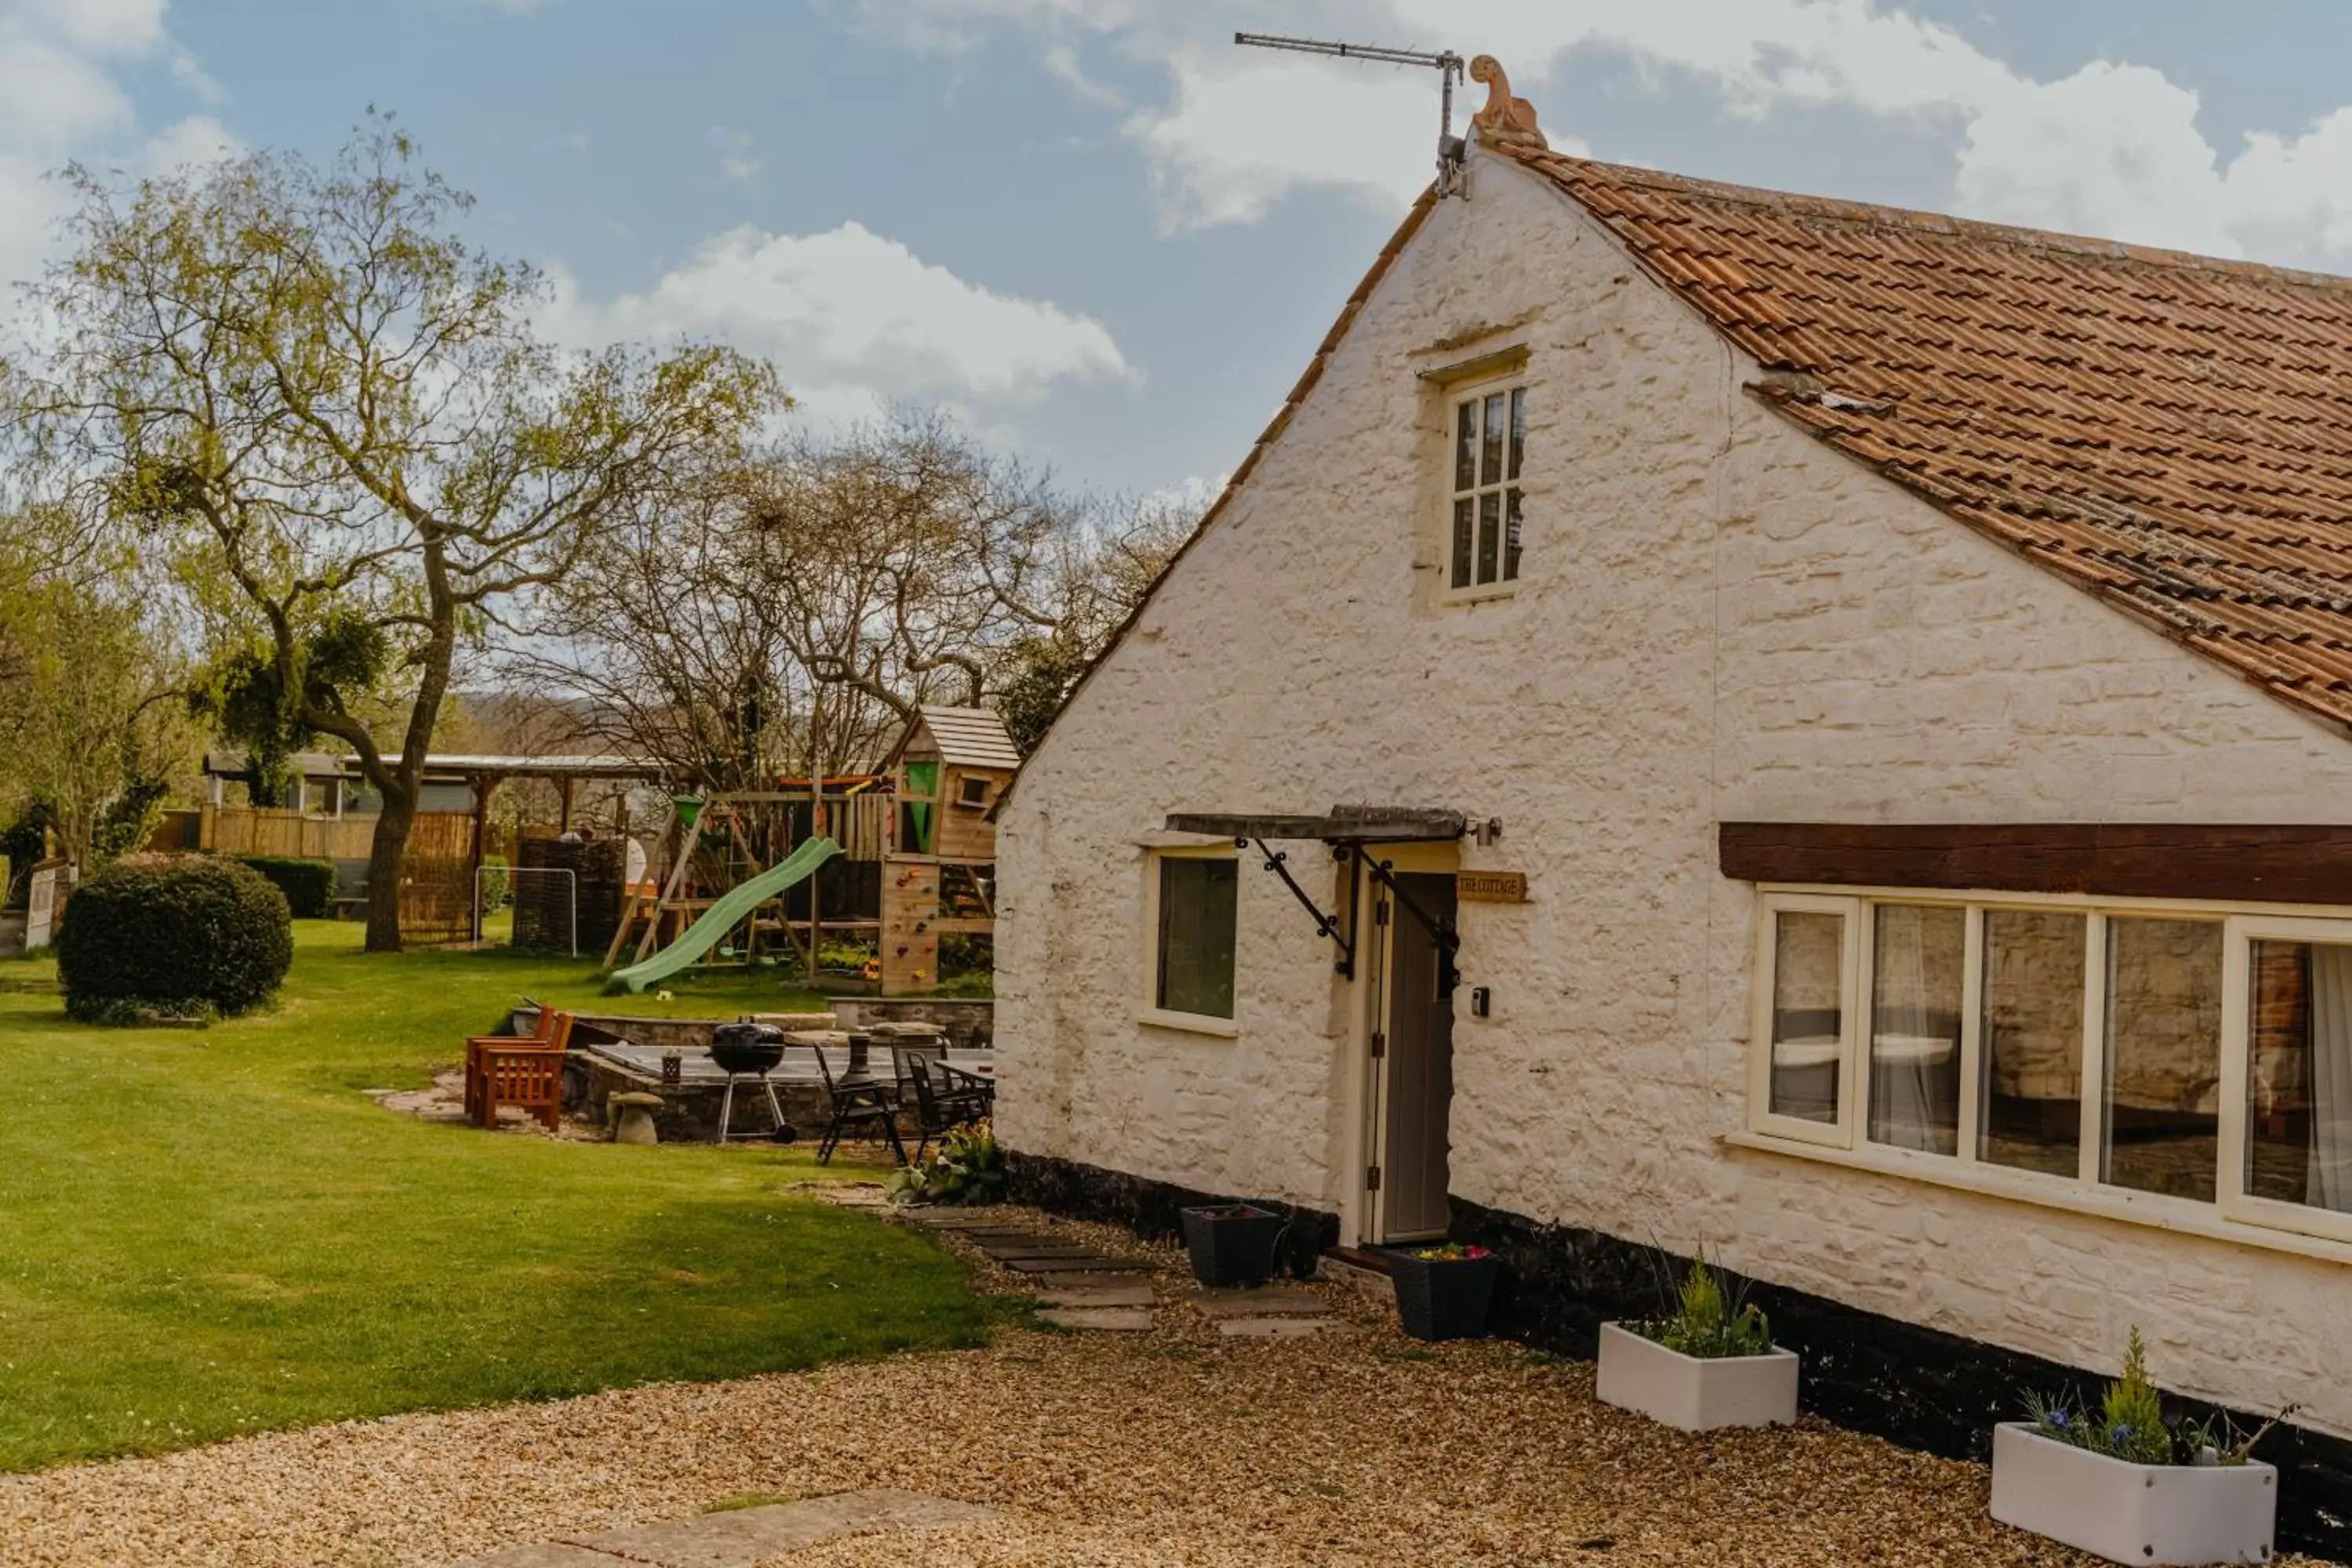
(2233, 1216)
(1866, 1004)
(1839, 1133)
(2237, 1066)
(1148, 1008)
(1456, 395)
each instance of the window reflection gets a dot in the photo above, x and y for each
(2299, 1078)
(2163, 1095)
(1808, 964)
(2032, 1032)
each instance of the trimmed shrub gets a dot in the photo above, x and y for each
(309, 885)
(184, 934)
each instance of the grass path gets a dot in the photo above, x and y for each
(203, 1233)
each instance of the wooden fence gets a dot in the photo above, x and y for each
(436, 880)
(251, 830)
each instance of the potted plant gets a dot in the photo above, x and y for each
(1443, 1292)
(2125, 1484)
(1232, 1243)
(1710, 1362)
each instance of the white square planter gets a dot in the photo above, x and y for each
(1692, 1392)
(2132, 1513)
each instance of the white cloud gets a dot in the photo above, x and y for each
(60, 99)
(196, 141)
(850, 314)
(1061, 63)
(2111, 148)
(1240, 137)
(737, 159)
(100, 27)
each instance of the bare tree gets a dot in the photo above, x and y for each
(789, 616)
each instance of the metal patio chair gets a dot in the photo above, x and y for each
(855, 1105)
(940, 1107)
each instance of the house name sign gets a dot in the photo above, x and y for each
(1491, 887)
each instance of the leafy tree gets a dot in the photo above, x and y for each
(90, 728)
(336, 419)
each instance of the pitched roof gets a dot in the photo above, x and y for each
(2171, 432)
(969, 737)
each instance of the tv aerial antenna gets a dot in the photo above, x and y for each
(1445, 62)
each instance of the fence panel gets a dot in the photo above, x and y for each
(437, 879)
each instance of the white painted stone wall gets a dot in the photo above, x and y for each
(1719, 619)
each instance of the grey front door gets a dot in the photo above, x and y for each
(1418, 1080)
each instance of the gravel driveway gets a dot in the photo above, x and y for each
(1176, 1446)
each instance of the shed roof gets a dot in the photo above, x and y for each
(446, 764)
(2172, 432)
(966, 737)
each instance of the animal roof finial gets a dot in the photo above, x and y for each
(1505, 121)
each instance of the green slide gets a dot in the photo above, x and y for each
(725, 915)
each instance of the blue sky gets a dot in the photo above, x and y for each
(1101, 234)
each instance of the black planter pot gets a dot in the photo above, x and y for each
(1444, 1299)
(1232, 1243)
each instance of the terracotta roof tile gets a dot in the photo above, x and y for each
(2171, 432)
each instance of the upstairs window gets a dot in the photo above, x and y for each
(1490, 429)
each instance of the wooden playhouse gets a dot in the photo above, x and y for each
(940, 877)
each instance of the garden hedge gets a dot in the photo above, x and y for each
(309, 885)
(188, 934)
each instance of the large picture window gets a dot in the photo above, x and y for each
(1490, 429)
(2127, 1056)
(1196, 907)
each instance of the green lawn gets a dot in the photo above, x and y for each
(208, 1232)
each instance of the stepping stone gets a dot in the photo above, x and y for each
(1273, 1328)
(1100, 1320)
(549, 1555)
(1271, 1300)
(745, 1537)
(1011, 1251)
(955, 1219)
(1080, 1291)
(1073, 1266)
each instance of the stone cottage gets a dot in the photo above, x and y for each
(1736, 721)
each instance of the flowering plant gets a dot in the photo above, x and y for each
(1452, 1252)
(2131, 1424)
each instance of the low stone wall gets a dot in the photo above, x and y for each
(968, 1022)
(1916, 1386)
(689, 1112)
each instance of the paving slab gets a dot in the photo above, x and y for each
(1274, 1328)
(1082, 1290)
(1074, 1265)
(953, 1219)
(1017, 1251)
(743, 1538)
(1271, 1300)
(550, 1554)
(1100, 1320)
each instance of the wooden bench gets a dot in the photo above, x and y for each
(524, 1070)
